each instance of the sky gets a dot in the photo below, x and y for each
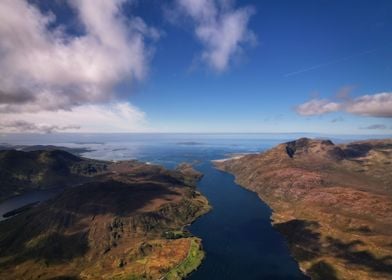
(196, 66)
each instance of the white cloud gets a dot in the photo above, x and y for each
(317, 107)
(376, 105)
(222, 29)
(47, 69)
(116, 117)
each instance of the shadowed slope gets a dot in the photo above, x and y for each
(44, 169)
(115, 227)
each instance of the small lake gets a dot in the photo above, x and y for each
(24, 199)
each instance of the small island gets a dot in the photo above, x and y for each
(333, 203)
(122, 220)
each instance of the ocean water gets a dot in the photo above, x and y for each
(238, 238)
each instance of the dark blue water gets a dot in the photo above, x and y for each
(22, 200)
(237, 235)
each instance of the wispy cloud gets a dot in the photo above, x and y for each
(376, 105)
(375, 126)
(344, 92)
(221, 28)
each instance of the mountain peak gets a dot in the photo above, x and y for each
(305, 147)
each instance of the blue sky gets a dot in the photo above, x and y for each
(296, 66)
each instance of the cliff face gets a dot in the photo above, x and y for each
(127, 223)
(332, 202)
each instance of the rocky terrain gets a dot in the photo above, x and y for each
(333, 203)
(126, 222)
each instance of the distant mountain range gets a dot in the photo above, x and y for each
(30, 148)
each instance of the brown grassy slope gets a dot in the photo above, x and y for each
(113, 228)
(332, 202)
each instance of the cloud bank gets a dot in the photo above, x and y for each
(222, 29)
(117, 117)
(44, 69)
(17, 126)
(376, 105)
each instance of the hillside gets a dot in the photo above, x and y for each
(333, 203)
(126, 223)
(29, 148)
(43, 169)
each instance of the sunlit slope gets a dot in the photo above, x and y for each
(332, 202)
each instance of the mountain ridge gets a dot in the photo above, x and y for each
(22, 171)
(331, 202)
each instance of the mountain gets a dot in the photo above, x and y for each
(333, 203)
(44, 169)
(29, 148)
(127, 222)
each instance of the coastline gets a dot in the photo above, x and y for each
(232, 156)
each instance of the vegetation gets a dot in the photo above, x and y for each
(189, 264)
(175, 234)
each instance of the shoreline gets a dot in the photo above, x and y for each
(233, 156)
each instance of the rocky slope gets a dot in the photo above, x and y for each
(333, 203)
(126, 223)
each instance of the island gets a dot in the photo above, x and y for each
(332, 203)
(113, 220)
